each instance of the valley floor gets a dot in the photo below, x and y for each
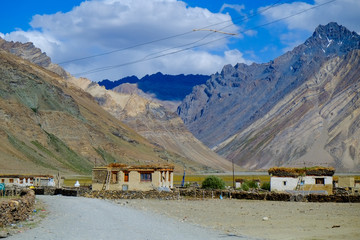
(263, 219)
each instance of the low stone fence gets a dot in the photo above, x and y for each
(134, 195)
(11, 191)
(73, 192)
(17, 209)
(194, 193)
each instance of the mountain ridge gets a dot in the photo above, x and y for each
(244, 93)
(235, 101)
(48, 125)
(164, 87)
(137, 109)
(307, 128)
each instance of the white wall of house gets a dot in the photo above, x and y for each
(283, 183)
(290, 183)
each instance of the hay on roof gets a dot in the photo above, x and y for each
(141, 167)
(295, 172)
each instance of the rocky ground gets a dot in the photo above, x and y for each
(262, 219)
(33, 221)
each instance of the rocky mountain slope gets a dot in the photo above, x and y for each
(141, 111)
(156, 123)
(316, 124)
(240, 97)
(49, 125)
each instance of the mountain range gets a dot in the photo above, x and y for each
(168, 136)
(301, 109)
(48, 125)
(162, 86)
(289, 97)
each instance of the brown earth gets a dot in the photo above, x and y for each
(48, 125)
(263, 219)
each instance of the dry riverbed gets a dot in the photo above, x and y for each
(262, 219)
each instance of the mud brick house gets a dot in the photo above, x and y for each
(20, 180)
(310, 180)
(117, 176)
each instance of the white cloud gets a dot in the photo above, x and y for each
(100, 26)
(344, 12)
(238, 8)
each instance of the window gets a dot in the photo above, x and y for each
(284, 182)
(145, 177)
(126, 176)
(320, 181)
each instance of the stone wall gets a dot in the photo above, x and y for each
(193, 193)
(17, 209)
(69, 191)
(133, 195)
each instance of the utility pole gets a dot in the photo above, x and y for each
(233, 174)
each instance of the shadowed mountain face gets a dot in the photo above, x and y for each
(236, 100)
(48, 125)
(160, 86)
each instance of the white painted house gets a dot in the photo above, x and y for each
(315, 179)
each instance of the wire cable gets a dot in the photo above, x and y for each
(196, 46)
(174, 36)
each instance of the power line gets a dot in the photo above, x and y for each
(175, 36)
(196, 46)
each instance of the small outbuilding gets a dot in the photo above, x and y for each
(117, 176)
(311, 180)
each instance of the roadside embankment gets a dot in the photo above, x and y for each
(17, 209)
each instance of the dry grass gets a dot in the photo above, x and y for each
(83, 180)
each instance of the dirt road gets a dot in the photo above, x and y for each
(86, 219)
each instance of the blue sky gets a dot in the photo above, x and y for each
(69, 30)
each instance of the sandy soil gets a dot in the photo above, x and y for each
(262, 219)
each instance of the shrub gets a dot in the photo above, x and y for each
(213, 182)
(265, 186)
(245, 186)
(252, 184)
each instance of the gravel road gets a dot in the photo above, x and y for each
(85, 219)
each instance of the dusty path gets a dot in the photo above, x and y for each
(86, 219)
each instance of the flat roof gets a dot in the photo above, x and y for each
(122, 167)
(295, 172)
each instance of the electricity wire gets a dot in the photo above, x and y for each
(175, 36)
(196, 46)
